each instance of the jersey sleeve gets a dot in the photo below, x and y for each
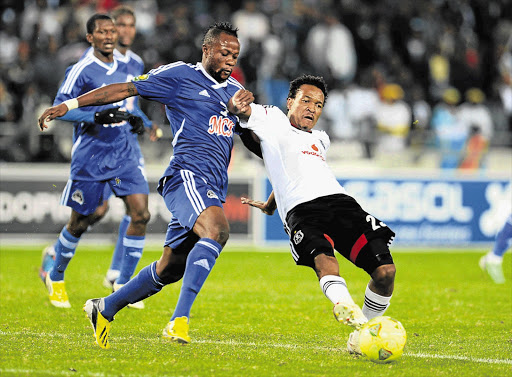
(264, 119)
(72, 87)
(159, 84)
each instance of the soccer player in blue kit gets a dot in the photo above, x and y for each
(193, 186)
(105, 154)
(122, 265)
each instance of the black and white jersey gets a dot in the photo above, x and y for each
(295, 160)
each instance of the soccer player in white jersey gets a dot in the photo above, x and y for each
(317, 212)
(193, 186)
(105, 153)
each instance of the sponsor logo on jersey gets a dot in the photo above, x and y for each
(313, 154)
(141, 77)
(204, 93)
(212, 195)
(314, 147)
(78, 196)
(221, 126)
(297, 237)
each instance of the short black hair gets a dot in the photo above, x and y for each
(216, 29)
(317, 81)
(91, 22)
(121, 10)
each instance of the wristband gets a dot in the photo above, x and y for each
(71, 103)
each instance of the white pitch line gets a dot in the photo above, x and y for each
(279, 345)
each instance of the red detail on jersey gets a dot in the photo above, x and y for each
(358, 245)
(313, 154)
(329, 239)
(314, 147)
(221, 126)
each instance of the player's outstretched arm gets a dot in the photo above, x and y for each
(267, 207)
(101, 96)
(239, 103)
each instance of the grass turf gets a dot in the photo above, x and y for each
(257, 315)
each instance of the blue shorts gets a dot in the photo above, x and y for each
(85, 196)
(186, 195)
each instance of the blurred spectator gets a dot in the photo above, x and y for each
(450, 132)
(393, 117)
(477, 118)
(330, 49)
(252, 24)
(6, 104)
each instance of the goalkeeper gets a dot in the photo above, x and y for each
(105, 155)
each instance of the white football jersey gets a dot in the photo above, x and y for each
(295, 160)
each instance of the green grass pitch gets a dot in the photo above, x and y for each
(257, 315)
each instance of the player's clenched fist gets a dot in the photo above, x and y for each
(52, 113)
(239, 103)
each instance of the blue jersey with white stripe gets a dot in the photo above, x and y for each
(196, 106)
(100, 151)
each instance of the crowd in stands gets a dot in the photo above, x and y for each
(402, 74)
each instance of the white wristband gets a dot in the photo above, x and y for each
(71, 103)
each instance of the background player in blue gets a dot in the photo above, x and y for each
(492, 262)
(194, 185)
(105, 153)
(122, 265)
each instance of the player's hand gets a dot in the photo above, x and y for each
(112, 115)
(239, 103)
(50, 114)
(137, 125)
(155, 133)
(263, 206)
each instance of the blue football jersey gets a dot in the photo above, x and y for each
(196, 106)
(100, 151)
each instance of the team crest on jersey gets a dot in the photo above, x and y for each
(297, 237)
(78, 196)
(221, 126)
(141, 77)
(212, 195)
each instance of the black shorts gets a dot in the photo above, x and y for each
(337, 222)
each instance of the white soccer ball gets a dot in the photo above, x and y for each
(382, 339)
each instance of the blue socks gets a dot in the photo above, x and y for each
(503, 239)
(200, 261)
(133, 246)
(117, 257)
(144, 285)
(64, 250)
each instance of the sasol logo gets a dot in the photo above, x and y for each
(221, 126)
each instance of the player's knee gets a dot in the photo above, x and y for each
(218, 233)
(384, 275)
(140, 217)
(223, 236)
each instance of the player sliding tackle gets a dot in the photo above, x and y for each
(317, 212)
(194, 185)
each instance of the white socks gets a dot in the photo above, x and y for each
(374, 305)
(335, 289)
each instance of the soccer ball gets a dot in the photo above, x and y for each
(382, 339)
